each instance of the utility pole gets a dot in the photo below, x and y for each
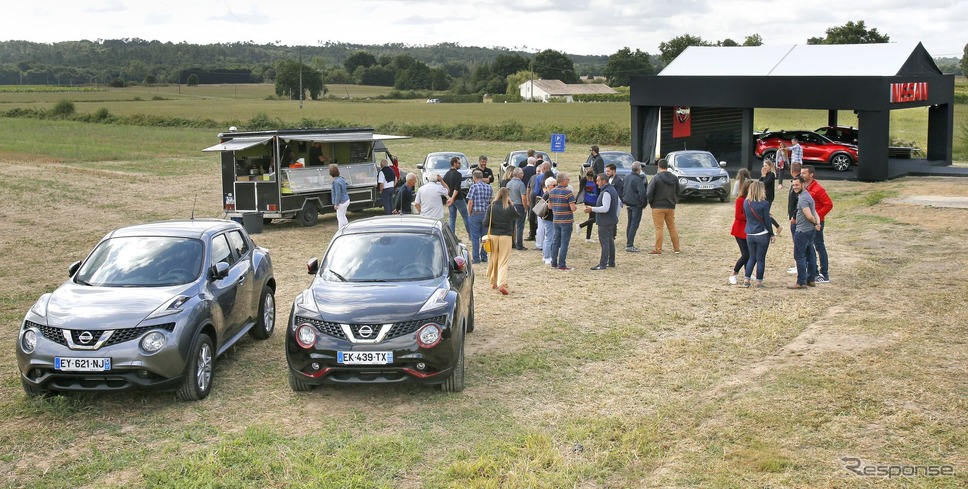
(300, 80)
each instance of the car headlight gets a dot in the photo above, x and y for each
(153, 342)
(682, 181)
(437, 299)
(306, 335)
(28, 341)
(429, 335)
(305, 304)
(172, 306)
(40, 307)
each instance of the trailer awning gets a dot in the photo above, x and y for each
(349, 137)
(237, 144)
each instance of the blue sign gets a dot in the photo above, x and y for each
(557, 143)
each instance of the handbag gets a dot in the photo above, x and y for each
(540, 208)
(486, 239)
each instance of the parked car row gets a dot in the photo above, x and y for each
(154, 305)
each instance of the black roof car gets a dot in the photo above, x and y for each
(390, 301)
(151, 307)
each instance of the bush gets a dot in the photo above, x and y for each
(501, 98)
(63, 108)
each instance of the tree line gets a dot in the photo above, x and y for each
(445, 67)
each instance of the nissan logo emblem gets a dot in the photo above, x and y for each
(366, 331)
(85, 337)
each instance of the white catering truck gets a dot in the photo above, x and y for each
(258, 184)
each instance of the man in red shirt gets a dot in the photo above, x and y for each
(824, 205)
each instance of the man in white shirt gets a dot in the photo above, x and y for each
(429, 202)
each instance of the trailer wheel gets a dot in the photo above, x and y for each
(309, 215)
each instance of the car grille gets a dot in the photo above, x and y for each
(398, 329)
(325, 327)
(704, 179)
(401, 329)
(120, 335)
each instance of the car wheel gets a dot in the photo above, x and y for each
(769, 155)
(298, 385)
(267, 315)
(32, 390)
(722, 197)
(308, 216)
(840, 162)
(470, 316)
(455, 383)
(199, 374)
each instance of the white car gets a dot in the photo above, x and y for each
(439, 163)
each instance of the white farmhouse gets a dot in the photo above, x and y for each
(545, 89)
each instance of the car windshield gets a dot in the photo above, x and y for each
(442, 162)
(696, 160)
(143, 261)
(383, 257)
(620, 160)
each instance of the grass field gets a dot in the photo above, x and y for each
(233, 104)
(655, 374)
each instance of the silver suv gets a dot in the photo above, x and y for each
(151, 307)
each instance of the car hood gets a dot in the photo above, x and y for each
(75, 306)
(701, 172)
(386, 302)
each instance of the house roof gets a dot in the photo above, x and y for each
(888, 59)
(558, 87)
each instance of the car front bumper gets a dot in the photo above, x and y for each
(411, 363)
(131, 368)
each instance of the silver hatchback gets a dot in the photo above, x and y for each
(699, 174)
(151, 307)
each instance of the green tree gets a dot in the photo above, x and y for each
(964, 62)
(625, 64)
(675, 46)
(192, 80)
(375, 75)
(507, 64)
(288, 80)
(850, 33)
(359, 58)
(727, 43)
(515, 81)
(555, 65)
(754, 40)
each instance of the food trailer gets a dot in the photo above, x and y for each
(258, 184)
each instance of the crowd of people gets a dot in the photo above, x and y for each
(533, 198)
(755, 228)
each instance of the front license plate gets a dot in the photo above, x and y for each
(705, 187)
(364, 357)
(82, 364)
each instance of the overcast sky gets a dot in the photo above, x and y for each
(598, 27)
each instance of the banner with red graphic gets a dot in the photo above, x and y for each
(681, 122)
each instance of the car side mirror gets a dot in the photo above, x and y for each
(420, 166)
(71, 270)
(312, 266)
(722, 164)
(460, 264)
(220, 270)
